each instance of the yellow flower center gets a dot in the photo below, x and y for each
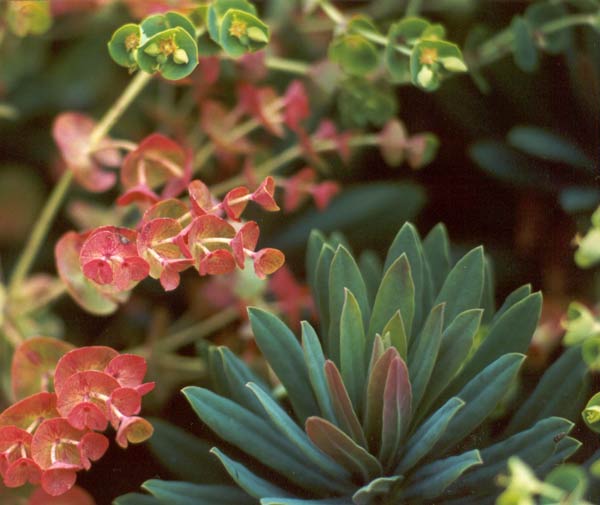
(428, 56)
(167, 46)
(238, 28)
(132, 41)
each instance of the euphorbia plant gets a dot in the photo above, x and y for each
(391, 400)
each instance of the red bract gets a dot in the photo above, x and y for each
(75, 496)
(15, 444)
(235, 202)
(245, 240)
(328, 131)
(267, 261)
(71, 132)
(133, 430)
(265, 195)
(28, 413)
(255, 101)
(208, 239)
(217, 123)
(323, 192)
(303, 183)
(80, 360)
(22, 471)
(157, 161)
(109, 256)
(297, 107)
(292, 297)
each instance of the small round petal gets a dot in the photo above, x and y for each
(297, 108)
(127, 400)
(86, 415)
(267, 261)
(200, 198)
(169, 279)
(95, 357)
(53, 443)
(144, 389)
(128, 369)
(14, 444)
(133, 430)
(235, 202)
(99, 271)
(217, 262)
(324, 192)
(57, 481)
(89, 386)
(138, 194)
(264, 195)
(21, 471)
(245, 238)
(91, 448)
(30, 411)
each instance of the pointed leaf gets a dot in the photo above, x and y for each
(396, 292)
(436, 247)
(283, 352)
(292, 432)
(334, 442)
(186, 493)
(424, 439)
(371, 269)
(376, 490)
(481, 395)
(321, 287)
(315, 363)
(463, 287)
(244, 478)
(395, 331)
(352, 350)
(516, 296)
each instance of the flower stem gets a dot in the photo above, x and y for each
(287, 156)
(59, 192)
(286, 65)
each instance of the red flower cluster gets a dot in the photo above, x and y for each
(47, 437)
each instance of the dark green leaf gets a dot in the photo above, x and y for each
(184, 455)
(355, 54)
(136, 499)
(525, 52)
(321, 292)
(376, 490)
(283, 352)
(185, 493)
(481, 395)
(371, 269)
(516, 296)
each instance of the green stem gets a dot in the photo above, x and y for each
(289, 66)
(287, 156)
(59, 192)
(333, 12)
(413, 8)
(500, 44)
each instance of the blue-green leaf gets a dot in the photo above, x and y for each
(516, 296)
(292, 432)
(481, 395)
(321, 292)
(430, 481)
(424, 352)
(463, 287)
(186, 493)
(371, 269)
(185, 455)
(301, 501)
(352, 350)
(394, 334)
(436, 247)
(375, 490)
(316, 241)
(511, 332)
(429, 432)
(344, 273)
(136, 499)
(457, 340)
(557, 393)
(525, 52)
(396, 292)
(284, 353)
(315, 363)
(253, 485)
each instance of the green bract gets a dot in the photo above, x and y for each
(234, 25)
(172, 52)
(160, 22)
(362, 102)
(387, 402)
(123, 45)
(430, 59)
(355, 54)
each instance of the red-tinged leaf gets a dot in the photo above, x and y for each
(87, 416)
(397, 398)
(75, 496)
(157, 245)
(71, 132)
(138, 194)
(128, 369)
(21, 471)
(235, 202)
(158, 160)
(80, 360)
(296, 188)
(201, 198)
(169, 208)
(297, 107)
(91, 448)
(245, 238)
(267, 261)
(324, 192)
(255, 101)
(134, 430)
(55, 442)
(15, 443)
(334, 442)
(342, 405)
(265, 195)
(375, 397)
(392, 142)
(81, 289)
(376, 352)
(33, 365)
(89, 386)
(57, 481)
(421, 149)
(218, 262)
(29, 412)
(170, 278)
(127, 400)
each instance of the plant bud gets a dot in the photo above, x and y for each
(161, 58)
(152, 50)
(257, 35)
(180, 57)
